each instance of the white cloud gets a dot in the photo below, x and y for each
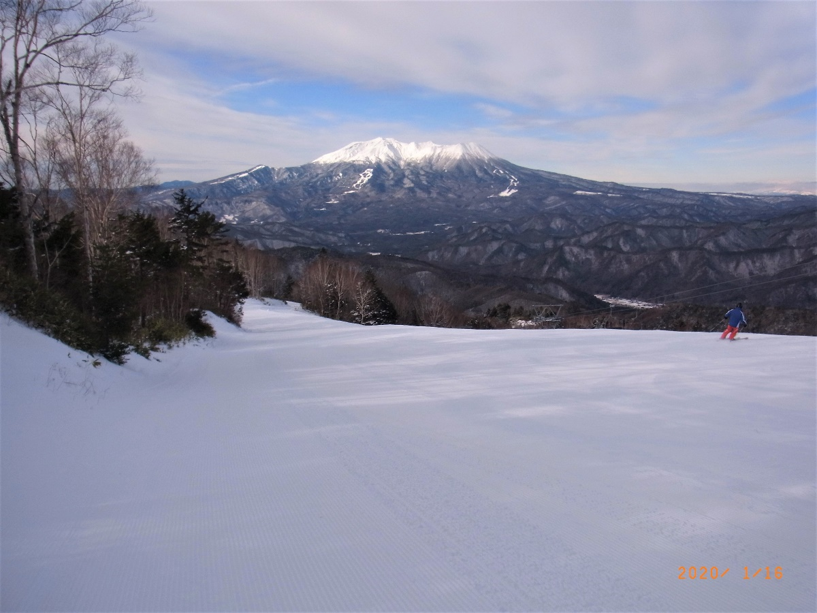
(523, 52)
(574, 73)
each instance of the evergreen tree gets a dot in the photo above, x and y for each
(289, 288)
(372, 306)
(210, 281)
(61, 257)
(228, 289)
(12, 232)
(114, 297)
(196, 230)
(383, 310)
(153, 261)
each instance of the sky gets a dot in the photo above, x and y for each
(679, 94)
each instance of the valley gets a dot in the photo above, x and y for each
(461, 208)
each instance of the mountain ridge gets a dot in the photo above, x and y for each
(463, 207)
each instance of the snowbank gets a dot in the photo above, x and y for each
(307, 464)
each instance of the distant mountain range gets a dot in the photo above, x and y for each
(462, 208)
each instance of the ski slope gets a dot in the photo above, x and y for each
(304, 464)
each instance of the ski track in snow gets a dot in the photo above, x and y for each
(364, 178)
(303, 464)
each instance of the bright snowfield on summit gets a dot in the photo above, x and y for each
(304, 464)
(391, 150)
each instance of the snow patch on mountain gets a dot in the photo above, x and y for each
(511, 190)
(389, 150)
(512, 185)
(240, 175)
(628, 302)
(364, 178)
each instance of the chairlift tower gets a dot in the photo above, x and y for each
(546, 313)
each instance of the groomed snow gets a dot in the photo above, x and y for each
(304, 464)
(385, 150)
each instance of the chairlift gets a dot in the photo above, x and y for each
(545, 313)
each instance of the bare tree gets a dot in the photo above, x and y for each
(346, 279)
(39, 40)
(434, 311)
(364, 297)
(317, 287)
(92, 158)
(264, 272)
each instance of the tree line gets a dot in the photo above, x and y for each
(76, 257)
(149, 282)
(340, 287)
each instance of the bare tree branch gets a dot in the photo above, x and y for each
(48, 45)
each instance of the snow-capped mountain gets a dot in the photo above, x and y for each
(384, 187)
(391, 151)
(460, 205)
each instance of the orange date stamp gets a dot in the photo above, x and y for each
(713, 572)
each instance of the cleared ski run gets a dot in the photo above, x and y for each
(302, 464)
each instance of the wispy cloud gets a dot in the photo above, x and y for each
(546, 84)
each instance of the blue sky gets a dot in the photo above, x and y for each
(670, 93)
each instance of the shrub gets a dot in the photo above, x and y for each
(198, 325)
(49, 311)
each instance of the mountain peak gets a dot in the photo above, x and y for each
(391, 150)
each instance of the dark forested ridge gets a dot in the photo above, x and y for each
(491, 217)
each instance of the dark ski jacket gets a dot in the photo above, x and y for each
(735, 317)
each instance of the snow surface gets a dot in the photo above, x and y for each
(386, 150)
(306, 464)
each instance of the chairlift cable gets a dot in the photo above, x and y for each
(799, 276)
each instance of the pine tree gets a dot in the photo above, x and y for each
(210, 281)
(61, 254)
(228, 289)
(114, 299)
(12, 232)
(372, 306)
(196, 230)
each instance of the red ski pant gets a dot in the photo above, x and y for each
(732, 330)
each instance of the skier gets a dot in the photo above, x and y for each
(736, 320)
